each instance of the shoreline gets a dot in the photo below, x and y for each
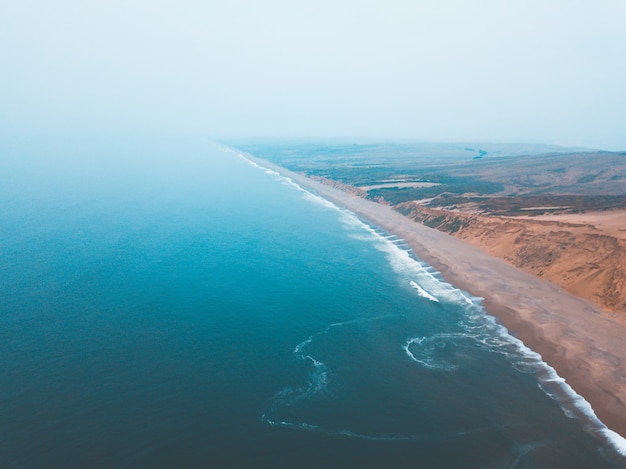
(579, 340)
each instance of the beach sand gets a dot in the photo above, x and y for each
(584, 344)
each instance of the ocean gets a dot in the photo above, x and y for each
(170, 303)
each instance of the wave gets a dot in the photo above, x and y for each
(425, 350)
(444, 352)
(423, 293)
(423, 278)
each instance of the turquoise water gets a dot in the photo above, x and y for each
(169, 304)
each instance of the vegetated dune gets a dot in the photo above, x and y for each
(582, 258)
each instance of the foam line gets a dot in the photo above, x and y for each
(363, 436)
(423, 293)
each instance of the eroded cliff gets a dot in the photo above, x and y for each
(579, 257)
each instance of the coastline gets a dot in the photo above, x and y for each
(583, 253)
(581, 342)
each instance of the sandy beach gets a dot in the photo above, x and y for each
(584, 344)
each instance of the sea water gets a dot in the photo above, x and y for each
(169, 303)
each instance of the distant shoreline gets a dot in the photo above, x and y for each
(578, 339)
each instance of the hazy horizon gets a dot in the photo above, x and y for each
(446, 71)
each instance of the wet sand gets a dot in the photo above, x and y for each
(584, 344)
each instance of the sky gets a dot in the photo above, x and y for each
(541, 71)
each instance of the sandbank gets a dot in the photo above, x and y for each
(584, 344)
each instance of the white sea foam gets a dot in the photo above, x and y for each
(617, 441)
(431, 352)
(302, 344)
(347, 217)
(317, 385)
(555, 386)
(347, 433)
(373, 437)
(423, 293)
(492, 337)
(404, 262)
(290, 182)
(296, 426)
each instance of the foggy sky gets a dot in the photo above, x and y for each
(545, 71)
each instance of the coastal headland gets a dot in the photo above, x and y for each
(580, 340)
